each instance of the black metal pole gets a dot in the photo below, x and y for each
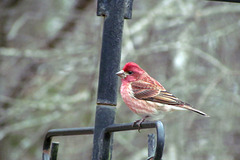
(114, 12)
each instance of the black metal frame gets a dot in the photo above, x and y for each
(105, 138)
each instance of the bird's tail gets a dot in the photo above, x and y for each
(188, 107)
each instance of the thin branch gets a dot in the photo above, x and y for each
(69, 26)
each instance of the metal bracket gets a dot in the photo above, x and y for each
(61, 132)
(106, 134)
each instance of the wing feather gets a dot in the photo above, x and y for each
(142, 89)
(150, 92)
(165, 97)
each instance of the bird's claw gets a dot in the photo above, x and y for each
(138, 123)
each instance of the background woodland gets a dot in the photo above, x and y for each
(49, 59)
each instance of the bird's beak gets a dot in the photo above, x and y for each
(121, 74)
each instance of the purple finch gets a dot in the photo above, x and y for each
(147, 97)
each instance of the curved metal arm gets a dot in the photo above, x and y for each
(105, 137)
(62, 132)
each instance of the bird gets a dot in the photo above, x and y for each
(145, 96)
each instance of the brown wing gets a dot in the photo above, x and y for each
(165, 97)
(150, 92)
(142, 89)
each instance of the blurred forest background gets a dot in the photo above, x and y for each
(49, 59)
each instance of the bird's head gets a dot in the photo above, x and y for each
(130, 72)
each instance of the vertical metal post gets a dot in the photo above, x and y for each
(54, 150)
(114, 12)
(151, 145)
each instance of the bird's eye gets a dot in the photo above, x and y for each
(130, 72)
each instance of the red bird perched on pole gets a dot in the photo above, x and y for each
(145, 96)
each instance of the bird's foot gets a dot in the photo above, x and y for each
(138, 123)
